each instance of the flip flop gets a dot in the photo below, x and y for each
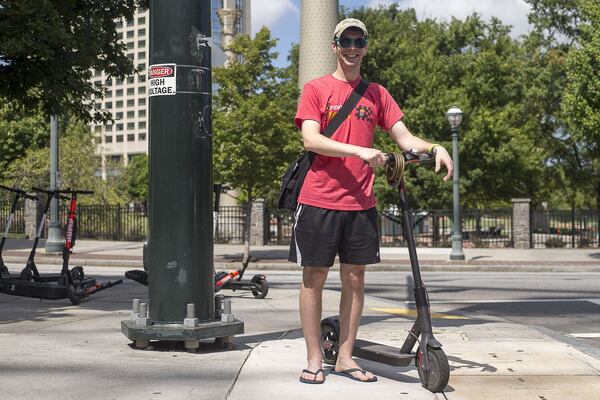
(315, 373)
(348, 374)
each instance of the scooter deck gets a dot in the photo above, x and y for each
(19, 287)
(381, 353)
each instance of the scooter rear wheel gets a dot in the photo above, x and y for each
(77, 273)
(74, 293)
(263, 287)
(440, 370)
(330, 340)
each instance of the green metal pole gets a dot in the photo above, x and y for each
(180, 248)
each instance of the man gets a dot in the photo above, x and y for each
(336, 211)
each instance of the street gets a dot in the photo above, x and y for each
(566, 303)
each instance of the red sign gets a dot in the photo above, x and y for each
(157, 72)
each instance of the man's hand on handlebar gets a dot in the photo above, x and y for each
(442, 158)
(373, 157)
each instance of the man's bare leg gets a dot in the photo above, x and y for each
(351, 305)
(311, 295)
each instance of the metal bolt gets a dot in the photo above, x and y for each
(191, 310)
(227, 306)
(136, 306)
(143, 310)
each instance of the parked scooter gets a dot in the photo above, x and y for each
(430, 359)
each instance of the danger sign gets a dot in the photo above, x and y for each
(162, 80)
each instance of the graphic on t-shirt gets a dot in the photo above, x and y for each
(364, 112)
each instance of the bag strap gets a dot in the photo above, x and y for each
(341, 115)
(350, 103)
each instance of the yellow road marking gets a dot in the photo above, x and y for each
(413, 313)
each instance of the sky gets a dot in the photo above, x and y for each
(282, 17)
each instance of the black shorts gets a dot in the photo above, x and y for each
(320, 234)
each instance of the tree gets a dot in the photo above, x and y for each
(254, 137)
(79, 167)
(429, 66)
(49, 49)
(135, 179)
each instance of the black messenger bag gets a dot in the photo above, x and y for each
(293, 178)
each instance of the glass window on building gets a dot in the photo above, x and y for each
(108, 139)
(130, 56)
(142, 136)
(108, 94)
(108, 128)
(119, 116)
(142, 102)
(130, 126)
(116, 159)
(130, 79)
(130, 103)
(130, 34)
(98, 83)
(130, 114)
(97, 106)
(119, 24)
(130, 91)
(119, 127)
(141, 55)
(141, 32)
(108, 105)
(141, 65)
(119, 138)
(108, 82)
(98, 128)
(97, 140)
(118, 81)
(142, 124)
(131, 137)
(141, 89)
(141, 113)
(141, 44)
(141, 20)
(120, 35)
(141, 78)
(130, 23)
(130, 45)
(119, 92)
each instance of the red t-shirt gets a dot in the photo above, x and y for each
(344, 183)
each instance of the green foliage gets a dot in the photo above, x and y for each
(48, 49)
(254, 137)
(19, 131)
(428, 66)
(135, 178)
(79, 167)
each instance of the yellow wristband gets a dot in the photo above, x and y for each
(432, 146)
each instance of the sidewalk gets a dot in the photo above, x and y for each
(53, 350)
(226, 257)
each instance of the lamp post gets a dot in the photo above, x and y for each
(455, 116)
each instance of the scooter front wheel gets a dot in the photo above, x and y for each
(330, 340)
(75, 294)
(263, 286)
(439, 372)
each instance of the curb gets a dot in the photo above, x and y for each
(288, 266)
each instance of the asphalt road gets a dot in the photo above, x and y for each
(567, 304)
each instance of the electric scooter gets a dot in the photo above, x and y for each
(69, 284)
(430, 359)
(19, 193)
(258, 285)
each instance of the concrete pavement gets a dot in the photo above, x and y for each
(109, 253)
(53, 350)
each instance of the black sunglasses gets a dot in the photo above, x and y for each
(346, 42)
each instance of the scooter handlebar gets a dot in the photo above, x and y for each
(21, 192)
(54, 193)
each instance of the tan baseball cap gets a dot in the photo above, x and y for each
(349, 23)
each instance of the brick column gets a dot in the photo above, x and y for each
(257, 225)
(521, 228)
(32, 214)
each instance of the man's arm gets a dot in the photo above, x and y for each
(407, 141)
(317, 143)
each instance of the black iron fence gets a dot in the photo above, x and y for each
(565, 228)
(17, 227)
(229, 224)
(480, 227)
